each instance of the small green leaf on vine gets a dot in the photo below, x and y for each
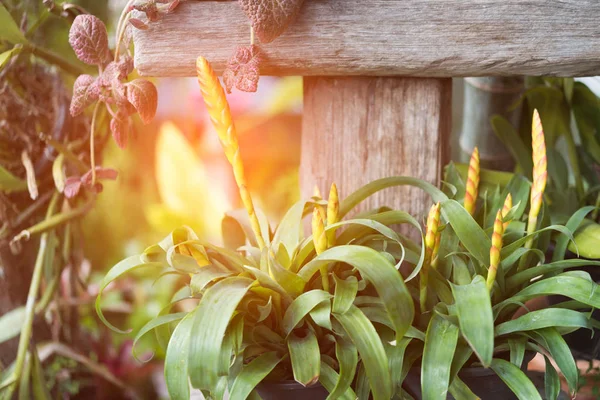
(270, 18)
(73, 184)
(89, 40)
(243, 69)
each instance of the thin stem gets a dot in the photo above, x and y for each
(55, 220)
(595, 213)
(121, 27)
(251, 35)
(54, 58)
(31, 296)
(92, 150)
(64, 150)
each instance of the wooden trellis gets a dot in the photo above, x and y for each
(377, 90)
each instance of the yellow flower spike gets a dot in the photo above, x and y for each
(540, 177)
(220, 115)
(495, 249)
(433, 222)
(320, 241)
(508, 204)
(333, 209)
(540, 171)
(472, 182)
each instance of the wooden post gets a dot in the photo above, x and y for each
(356, 129)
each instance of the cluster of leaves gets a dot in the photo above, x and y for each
(152, 9)
(269, 19)
(571, 116)
(89, 40)
(277, 318)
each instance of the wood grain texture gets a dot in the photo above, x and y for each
(435, 38)
(356, 130)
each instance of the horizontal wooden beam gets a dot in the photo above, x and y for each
(429, 38)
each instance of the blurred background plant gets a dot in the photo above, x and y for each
(172, 172)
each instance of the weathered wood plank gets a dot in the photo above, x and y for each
(435, 38)
(357, 129)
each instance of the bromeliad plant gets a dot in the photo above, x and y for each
(274, 305)
(484, 261)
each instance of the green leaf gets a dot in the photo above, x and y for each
(154, 323)
(301, 306)
(515, 379)
(10, 183)
(475, 317)
(321, 314)
(289, 232)
(176, 359)
(291, 282)
(555, 266)
(560, 352)
(209, 328)
(206, 275)
(586, 240)
(551, 381)
(513, 142)
(11, 323)
(375, 186)
(460, 390)
(347, 357)
(345, 293)
(38, 383)
(252, 374)
(440, 342)
(9, 30)
(517, 244)
(7, 55)
(371, 350)
(468, 230)
(378, 270)
(127, 265)
(549, 317)
(305, 357)
(574, 287)
(517, 350)
(329, 378)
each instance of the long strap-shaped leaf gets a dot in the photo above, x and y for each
(515, 379)
(347, 357)
(306, 358)
(210, 323)
(364, 336)
(560, 352)
(154, 323)
(475, 317)
(252, 374)
(176, 360)
(127, 265)
(301, 306)
(550, 317)
(579, 289)
(440, 343)
(468, 230)
(329, 378)
(378, 270)
(373, 187)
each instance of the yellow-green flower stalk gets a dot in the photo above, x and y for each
(320, 241)
(333, 209)
(220, 115)
(431, 233)
(472, 182)
(508, 204)
(540, 177)
(495, 249)
(436, 250)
